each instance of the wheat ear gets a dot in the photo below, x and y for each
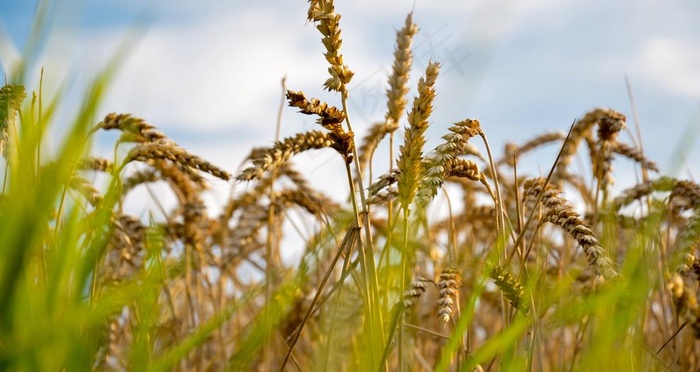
(448, 290)
(609, 126)
(330, 118)
(561, 214)
(168, 150)
(582, 130)
(272, 158)
(437, 165)
(635, 154)
(510, 287)
(411, 152)
(134, 129)
(323, 12)
(11, 98)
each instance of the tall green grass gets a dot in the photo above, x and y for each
(212, 293)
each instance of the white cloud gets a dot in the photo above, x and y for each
(671, 64)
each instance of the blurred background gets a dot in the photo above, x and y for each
(209, 74)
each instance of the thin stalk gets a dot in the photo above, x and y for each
(390, 207)
(402, 287)
(539, 198)
(500, 220)
(368, 247)
(270, 248)
(348, 243)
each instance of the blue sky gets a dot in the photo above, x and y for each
(208, 73)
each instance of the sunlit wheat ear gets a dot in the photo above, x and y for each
(448, 291)
(438, 163)
(273, 157)
(513, 152)
(86, 189)
(400, 71)
(323, 12)
(169, 151)
(11, 98)
(330, 118)
(328, 115)
(468, 169)
(559, 213)
(465, 168)
(411, 152)
(551, 199)
(685, 301)
(134, 129)
(582, 130)
(396, 93)
(510, 287)
(95, 163)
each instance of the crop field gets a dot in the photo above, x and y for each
(444, 258)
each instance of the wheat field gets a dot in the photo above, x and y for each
(444, 259)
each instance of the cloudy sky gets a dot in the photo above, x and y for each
(208, 73)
